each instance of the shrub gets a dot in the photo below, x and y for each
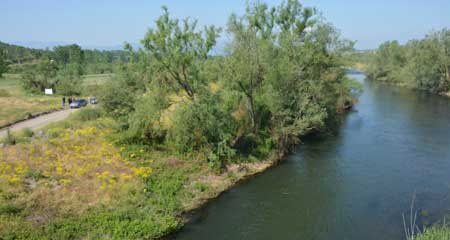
(117, 99)
(10, 209)
(9, 139)
(4, 93)
(87, 114)
(199, 124)
(145, 122)
(27, 132)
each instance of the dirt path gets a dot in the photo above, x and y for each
(39, 122)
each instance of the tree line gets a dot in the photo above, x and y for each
(60, 68)
(281, 77)
(422, 64)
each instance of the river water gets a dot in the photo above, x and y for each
(354, 184)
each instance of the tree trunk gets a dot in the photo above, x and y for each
(252, 114)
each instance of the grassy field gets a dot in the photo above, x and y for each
(77, 182)
(16, 104)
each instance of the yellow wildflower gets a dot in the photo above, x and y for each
(142, 172)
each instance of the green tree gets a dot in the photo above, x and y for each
(68, 81)
(252, 34)
(177, 51)
(43, 77)
(70, 54)
(3, 64)
(423, 64)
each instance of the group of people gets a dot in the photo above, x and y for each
(69, 100)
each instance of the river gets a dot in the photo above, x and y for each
(354, 184)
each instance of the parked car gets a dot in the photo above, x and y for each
(93, 100)
(78, 103)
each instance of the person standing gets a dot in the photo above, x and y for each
(64, 102)
(70, 100)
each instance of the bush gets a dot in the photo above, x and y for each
(10, 209)
(4, 93)
(145, 122)
(69, 81)
(87, 114)
(117, 100)
(9, 139)
(27, 132)
(202, 124)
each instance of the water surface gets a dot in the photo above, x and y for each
(354, 184)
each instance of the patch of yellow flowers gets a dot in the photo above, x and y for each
(142, 172)
(78, 162)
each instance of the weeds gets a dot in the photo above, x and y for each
(411, 229)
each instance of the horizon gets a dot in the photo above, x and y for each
(90, 25)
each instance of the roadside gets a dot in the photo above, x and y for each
(39, 122)
(17, 105)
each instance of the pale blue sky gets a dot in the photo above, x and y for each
(111, 22)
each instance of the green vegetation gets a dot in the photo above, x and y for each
(176, 125)
(435, 233)
(3, 64)
(18, 104)
(76, 181)
(422, 64)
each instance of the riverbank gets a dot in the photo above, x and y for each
(232, 176)
(404, 85)
(61, 181)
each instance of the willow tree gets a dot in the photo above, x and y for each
(252, 41)
(177, 51)
(287, 64)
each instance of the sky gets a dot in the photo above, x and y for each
(108, 23)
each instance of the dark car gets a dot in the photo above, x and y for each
(78, 103)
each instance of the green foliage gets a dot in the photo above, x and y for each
(4, 93)
(64, 55)
(43, 77)
(177, 50)
(3, 63)
(292, 79)
(119, 223)
(87, 114)
(27, 133)
(282, 77)
(119, 97)
(423, 64)
(9, 209)
(69, 82)
(19, 54)
(10, 139)
(440, 232)
(202, 123)
(145, 123)
(117, 100)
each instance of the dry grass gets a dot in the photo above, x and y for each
(68, 174)
(16, 105)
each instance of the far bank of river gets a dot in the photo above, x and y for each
(354, 184)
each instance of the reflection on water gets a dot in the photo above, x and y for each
(355, 184)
